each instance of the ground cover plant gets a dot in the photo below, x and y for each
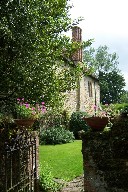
(56, 135)
(65, 160)
(46, 180)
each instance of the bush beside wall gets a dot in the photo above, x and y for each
(56, 135)
(77, 124)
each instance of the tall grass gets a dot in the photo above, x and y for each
(64, 160)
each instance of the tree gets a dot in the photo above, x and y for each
(105, 66)
(111, 85)
(33, 47)
(124, 97)
(100, 59)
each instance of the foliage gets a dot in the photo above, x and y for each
(54, 118)
(111, 86)
(77, 124)
(65, 160)
(124, 97)
(120, 106)
(56, 135)
(46, 180)
(100, 59)
(36, 56)
(105, 67)
(26, 111)
(114, 110)
(99, 112)
(124, 109)
(6, 122)
(111, 110)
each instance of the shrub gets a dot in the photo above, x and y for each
(77, 124)
(111, 110)
(56, 135)
(46, 180)
(54, 119)
(120, 106)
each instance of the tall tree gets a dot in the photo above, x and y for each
(105, 66)
(100, 59)
(33, 47)
(111, 85)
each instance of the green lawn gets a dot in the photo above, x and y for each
(64, 160)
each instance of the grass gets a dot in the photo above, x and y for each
(64, 160)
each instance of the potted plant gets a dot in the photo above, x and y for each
(98, 121)
(27, 113)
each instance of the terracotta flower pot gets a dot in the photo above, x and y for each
(24, 122)
(96, 123)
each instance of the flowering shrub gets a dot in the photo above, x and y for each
(111, 110)
(99, 112)
(25, 110)
(108, 110)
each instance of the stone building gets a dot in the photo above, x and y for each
(87, 95)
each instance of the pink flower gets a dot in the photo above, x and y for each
(42, 103)
(27, 105)
(95, 106)
(43, 109)
(39, 109)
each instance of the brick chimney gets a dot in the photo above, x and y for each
(77, 36)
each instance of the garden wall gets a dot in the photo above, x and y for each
(105, 159)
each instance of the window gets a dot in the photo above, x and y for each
(90, 88)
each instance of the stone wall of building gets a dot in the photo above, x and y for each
(70, 101)
(80, 99)
(88, 92)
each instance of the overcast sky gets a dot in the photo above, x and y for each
(107, 22)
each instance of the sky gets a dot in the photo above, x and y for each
(105, 21)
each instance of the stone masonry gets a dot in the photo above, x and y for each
(88, 92)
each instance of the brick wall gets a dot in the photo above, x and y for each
(77, 37)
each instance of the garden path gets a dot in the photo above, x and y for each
(76, 185)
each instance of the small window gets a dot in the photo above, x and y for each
(90, 88)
